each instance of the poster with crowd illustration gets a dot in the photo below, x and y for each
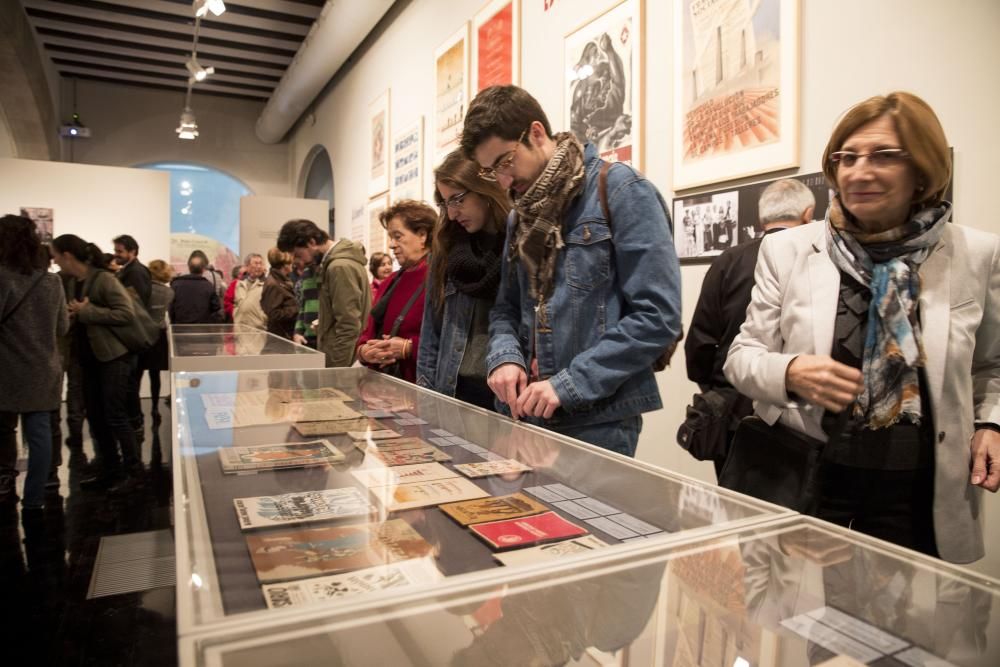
(707, 224)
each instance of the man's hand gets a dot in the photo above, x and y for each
(986, 459)
(299, 338)
(822, 381)
(507, 381)
(538, 400)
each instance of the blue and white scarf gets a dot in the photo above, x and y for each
(887, 263)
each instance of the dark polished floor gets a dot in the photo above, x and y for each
(46, 563)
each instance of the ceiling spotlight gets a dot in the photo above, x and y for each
(198, 73)
(203, 7)
(188, 129)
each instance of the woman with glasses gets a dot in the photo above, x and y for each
(390, 341)
(463, 281)
(878, 333)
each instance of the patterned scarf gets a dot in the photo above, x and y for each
(887, 262)
(537, 238)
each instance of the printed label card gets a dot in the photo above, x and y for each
(545, 552)
(302, 507)
(273, 457)
(391, 576)
(512, 533)
(487, 468)
(402, 457)
(493, 509)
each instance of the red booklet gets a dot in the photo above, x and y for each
(511, 533)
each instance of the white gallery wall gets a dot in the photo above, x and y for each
(851, 49)
(261, 219)
(95, 203)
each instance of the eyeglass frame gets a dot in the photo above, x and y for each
(884, 157)
(456, 201)
(502, 164)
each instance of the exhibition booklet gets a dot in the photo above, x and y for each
(529, 530)
(396, 444)
(295, 395)
(335, 426)
(273, 457)
(398, 497)
(359, 582)
(487, 468)
(310, 552)
(302, 507)
(493, 509)
(549, 551)
(402, 457)
(385, 476)
(239, 416)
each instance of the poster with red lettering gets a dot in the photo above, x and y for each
(736, 89)
(496, 45)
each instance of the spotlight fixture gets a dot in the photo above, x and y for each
(188, 129)
(198, 73)
(203, 7)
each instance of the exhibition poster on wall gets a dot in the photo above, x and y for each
(359, 225)
(602, 96)
(736, 89)
(451, 91)
(378, 240)
(42, 217)
(407, 161)
(496, 45)
(709, 223)
(378, 132)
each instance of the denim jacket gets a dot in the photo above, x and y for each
(443, 339)
(616, 303)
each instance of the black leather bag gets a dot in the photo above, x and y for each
(776, 464)
(704, 433)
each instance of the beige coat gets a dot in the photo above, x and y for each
(792, 312)
(248, 311)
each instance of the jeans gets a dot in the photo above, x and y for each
(621, 437)
(39, 438)
(107, 385)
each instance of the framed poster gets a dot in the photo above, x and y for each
(496, 45)
(359, 225)
(42, 217)
(736, 89)
(708, 223)
(407, 162)
(451, 91)
(376, 238)
(602, 96)
(378, 135)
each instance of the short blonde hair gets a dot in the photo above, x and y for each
(920, 135)
(160, 271)
(279, 259)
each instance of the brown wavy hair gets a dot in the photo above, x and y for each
(459, 172)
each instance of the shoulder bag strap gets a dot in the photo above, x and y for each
(23, 298)
(398, 322)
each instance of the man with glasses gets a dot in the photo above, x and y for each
(587, 301)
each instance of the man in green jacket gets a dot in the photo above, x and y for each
(345, 297)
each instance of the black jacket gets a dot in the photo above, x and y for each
(136, 276)
(195, 301)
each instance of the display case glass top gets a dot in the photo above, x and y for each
(239, 349)
(354, 486)
(794, 593)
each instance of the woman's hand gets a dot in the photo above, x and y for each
(384, 352)
(986, 459)
(75, 306)
(820, 380)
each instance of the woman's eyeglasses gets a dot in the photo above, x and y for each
(503, 164)
(885, 157)
(455, 202)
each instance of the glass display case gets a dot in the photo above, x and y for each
(236, 348)
(797, 592)
(298, 492)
